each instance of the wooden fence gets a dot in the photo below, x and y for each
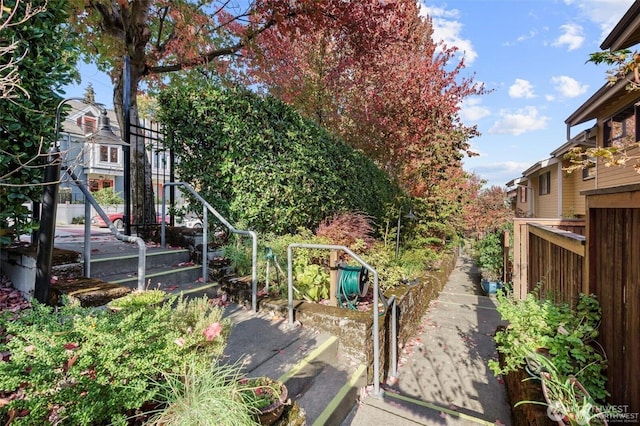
(549, 252)
(599, 256)
(556, 263)
(613, 275)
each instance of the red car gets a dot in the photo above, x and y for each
(118, 220)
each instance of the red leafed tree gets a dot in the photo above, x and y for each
(398, 101)
(488, 210)
(162, 36)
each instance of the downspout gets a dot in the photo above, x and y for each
(532, 201)
(560, 194)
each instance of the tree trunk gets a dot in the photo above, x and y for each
(142, 196)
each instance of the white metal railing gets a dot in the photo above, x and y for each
(376, 314)
(205, 255)
(89, 200)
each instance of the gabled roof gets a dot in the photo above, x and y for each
(517, 181)
(604, 98)
(627, 32)
(78, 109)
(540, 165)
(586, 138)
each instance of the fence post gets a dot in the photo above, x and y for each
(334, 258)
(506, 246)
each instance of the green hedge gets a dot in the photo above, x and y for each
(262, 164)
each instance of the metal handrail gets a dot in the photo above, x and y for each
(231, 228)
(142, 247)
(376, 289)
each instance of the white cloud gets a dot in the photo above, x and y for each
(521, 121)
(604, 13)
(531, 34)
(521, 89)
(572, 36)
(471, 110)
(498, 173)
(568, 87)
(448, 29)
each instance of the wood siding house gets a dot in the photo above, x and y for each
(614, 108)
(548, 190)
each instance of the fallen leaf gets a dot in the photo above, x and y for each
(71, 346)
(212, 331)
(70, 363)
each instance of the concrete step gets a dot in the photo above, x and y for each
(164, 278)
(333, 394)
(115, 264)
(322, 382)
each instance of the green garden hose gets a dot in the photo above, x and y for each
(352, 284)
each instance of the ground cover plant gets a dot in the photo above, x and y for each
(564, 335)
(82, 366)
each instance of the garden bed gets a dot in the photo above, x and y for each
(354, 328)
(520, 389)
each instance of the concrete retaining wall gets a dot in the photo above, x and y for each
(19, 266)
(354, 329)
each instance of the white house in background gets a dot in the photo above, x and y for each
(547, 190)
(97, 165)
(101, 165)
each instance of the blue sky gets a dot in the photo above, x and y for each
(530, 53)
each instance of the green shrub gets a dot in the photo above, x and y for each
(81, 366)
(107, 197)
(565, 334)
(78, 220)
(259, 162)
(490, 256)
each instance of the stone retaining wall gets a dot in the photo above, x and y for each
(354, 329)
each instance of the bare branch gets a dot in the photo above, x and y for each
(10, 82)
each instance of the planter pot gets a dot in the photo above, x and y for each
(269, 415)
(265, 389)
(563, 419)
(490, 287)
(532, 366)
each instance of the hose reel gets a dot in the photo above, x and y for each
(353, 282)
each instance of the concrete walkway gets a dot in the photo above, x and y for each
(443, 374)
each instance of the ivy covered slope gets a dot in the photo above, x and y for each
(43, 62)
(260, 162)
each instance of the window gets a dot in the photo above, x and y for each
(544, 183)
(621, 128)
(108, 154)
(589, 171)
(100, 183)
(89, 125)
(523, 194)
